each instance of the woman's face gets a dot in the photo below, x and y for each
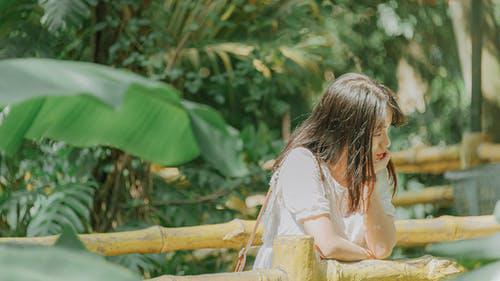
(381, 143)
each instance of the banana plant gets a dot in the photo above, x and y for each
(68, 259)
(85, 104)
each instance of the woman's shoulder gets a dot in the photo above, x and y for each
(300, 153)
(299, 158)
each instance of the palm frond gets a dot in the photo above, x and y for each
(58, 14)
(69, 205)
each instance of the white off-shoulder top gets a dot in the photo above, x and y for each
(299, 193)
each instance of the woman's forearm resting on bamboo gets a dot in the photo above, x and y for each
(330, 244)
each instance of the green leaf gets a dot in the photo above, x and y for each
(216, 140)
(70, 102)
(67, 206)
(69, 240)
(32, 77)
(57, 264)
(58, 13)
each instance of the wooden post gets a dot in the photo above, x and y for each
(469, 156)
(296, 256)
(477, 45)
(489, 152)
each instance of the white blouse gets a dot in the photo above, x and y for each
(298, 193)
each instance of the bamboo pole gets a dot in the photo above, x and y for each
(419, 269)
(489, 152)
(429, 167)
(445, 228)
(433, 194)
(294, 259)
(296, 256)
(424, 154)
(234, 234)
(157, 239)
(261, 275)
(469, 155)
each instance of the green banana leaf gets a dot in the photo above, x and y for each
(68, 259)
(85, 104)
(56, 263)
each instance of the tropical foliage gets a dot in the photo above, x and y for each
(79, 139)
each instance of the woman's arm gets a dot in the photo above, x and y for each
(330, 244)
(380, 229)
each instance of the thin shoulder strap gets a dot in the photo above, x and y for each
(242, 255)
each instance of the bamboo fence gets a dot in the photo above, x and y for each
(294, 259)
(234, 234)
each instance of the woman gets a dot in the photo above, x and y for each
(332, 179)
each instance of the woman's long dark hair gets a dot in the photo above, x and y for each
(349, 112)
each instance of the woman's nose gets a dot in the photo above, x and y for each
(387, 141)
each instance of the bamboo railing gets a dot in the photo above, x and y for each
(474, 150)
(294, 259)
(429, 195)
(234, 234)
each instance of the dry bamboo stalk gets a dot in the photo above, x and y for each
(429, 167)
(445, 228)
(424, 154)
(261, 275)
(489, 151)
(234, 234)
(149, 240)
(432, 194)
(471, 141)
(419, 269)
(294, 259)
(296, 256)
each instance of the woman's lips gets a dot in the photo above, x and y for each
(380, 156)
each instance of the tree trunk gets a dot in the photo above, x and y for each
(490, 63)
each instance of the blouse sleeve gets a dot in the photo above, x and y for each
(303, 192)
(385, 191)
